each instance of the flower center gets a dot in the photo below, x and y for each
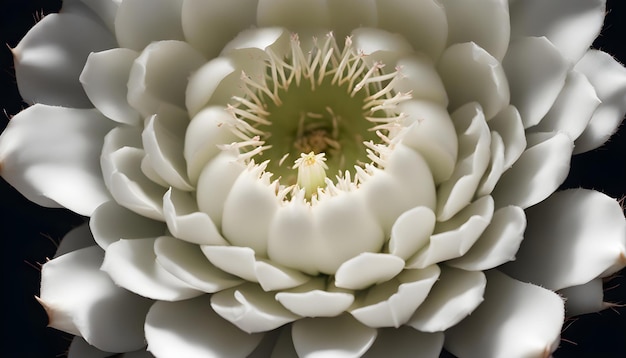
(326, 109)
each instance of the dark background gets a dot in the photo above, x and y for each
(29, 233)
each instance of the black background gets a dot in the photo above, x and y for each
(29, 233)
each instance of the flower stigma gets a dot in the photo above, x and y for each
(323, 109)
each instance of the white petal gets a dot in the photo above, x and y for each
(431, 133)
(572, 237)
(508, 124)
(495, 168)
(284, 345)
(313, 300)
(82, 300)
(111, 222)
(213, 83)
(204, 133)
(248, 211)
(573, 108)
(79, 348)
(209, 25)
(536, 72)
(471, 74)
(422, 22)
(337, 337)
(160, 74)
(538, 172)
(405, 342)
(186, 222)
(585, 298)
(163, 138)
(499, 242)
(186, 262)
(456, 294)
(608, 78)
(453, 238)
(241, 261)
(303, 15)
(49, 74)
(136, 28)
(104, 79)
(132, 265)
(420, 77)
(391, 304)
(485, 22)
(191, 329)
(474, 151)
(379, 45)
(411, 231)
(571, 25)
(105, 9)
(347, 15)
(78, 238)
(515, 320)
(251, 309)
(367, 269)
(50, 155)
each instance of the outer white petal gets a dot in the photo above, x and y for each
(314, 299)
(516, 320)
(431, 132)
(508, 124)
(485, 22)
(186, 222)
(472, 74)
(420, 77)
(78, 238)
(585, 298)
(49, 74)
(367, 269)
(338, 337)
(209, 25)
(79, 348)
(572, 237)
(82, 300)
(111, 222)
(454, 238)
(105, 9)
(191, 329)
(392, 303)
(186, 262)
(608, 78)
(213, 83)
(50, 155)
(499, 242)
(405, 342)
(536, 72)
(538, 172)
(242, 262)
(136, 28)
(573, 108)
(160, 74)
(571, 25)
(422, 22)
(411, 231)
(455, 295)
(251, 309)
(297, 17)
(104, 79)
(132, 265)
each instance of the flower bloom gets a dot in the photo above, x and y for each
(310, 178)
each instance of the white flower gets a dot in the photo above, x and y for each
(319, 178)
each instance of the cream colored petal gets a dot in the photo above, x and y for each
(339, 337)
(346, 15)
(420, 77)
(508, 125)
(313, 299)
(499, 242)
(105, 9)
(536, 71)
(485, 22)
(495, 168)
(303, 15)
(251, 309)
(82, 300)
(422, 22)
(367, 269)
(191, 329)
(391, 304)
(132, 265)
(128, 225)
(585, 298)
(49, 74)
(515, 320)
(379, 45)
(186, 262)
(454, 296)
(411, 231)
(136, 28)
(50, 155)
(213, 83)
(572, 237)
(405, 342)
(104, 79)
(186, 222)
(538, 172)
(76, 239)
(470, 74)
